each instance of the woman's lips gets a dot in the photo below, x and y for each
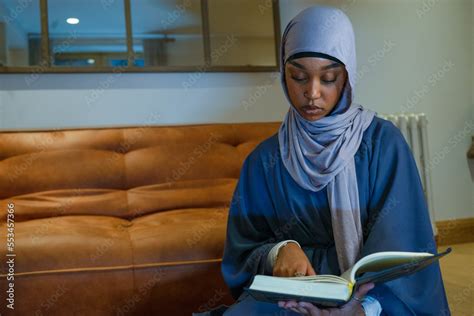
(312, 110)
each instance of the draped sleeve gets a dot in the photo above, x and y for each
(249, 236)
(399, 221)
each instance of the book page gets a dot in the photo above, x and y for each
(319, 278)
(382, 260)
(315, 288)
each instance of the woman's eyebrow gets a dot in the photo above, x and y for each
(333, 65)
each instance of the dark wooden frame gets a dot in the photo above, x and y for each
(45, 63)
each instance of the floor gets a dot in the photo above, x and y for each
(458, 275)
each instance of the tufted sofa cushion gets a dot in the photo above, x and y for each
(120, 221)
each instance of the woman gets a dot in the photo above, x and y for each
(336, 183)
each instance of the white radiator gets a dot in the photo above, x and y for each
(414, 127)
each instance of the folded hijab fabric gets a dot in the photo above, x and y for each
(321, 153)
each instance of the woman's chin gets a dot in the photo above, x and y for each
(312, 117)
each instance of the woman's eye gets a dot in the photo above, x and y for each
(328, 81)
(298, 79)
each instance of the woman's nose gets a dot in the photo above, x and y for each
(313, 90)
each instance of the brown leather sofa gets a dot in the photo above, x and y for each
(118, 221)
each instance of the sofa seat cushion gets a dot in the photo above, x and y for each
(70, 243)
(108, 243)
(179, 236)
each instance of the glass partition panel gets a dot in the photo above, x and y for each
(241, 32)
(139, 35)
(20, 33)
(87, 33)
(167, 32)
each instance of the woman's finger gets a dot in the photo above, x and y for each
(300, 269)
(311, 309)
(292, 305)
(302, 310)
(310, 270)
(294, 309)
(360, 293)
(289, 304)
(364, 289)
(298, 274)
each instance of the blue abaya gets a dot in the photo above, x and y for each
(268, 206)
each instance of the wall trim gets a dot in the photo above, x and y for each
(455, 231)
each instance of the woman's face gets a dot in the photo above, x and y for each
(314, 85)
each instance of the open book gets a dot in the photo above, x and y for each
(332, 290)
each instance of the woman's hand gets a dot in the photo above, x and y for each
(352, 307)
(292, 261)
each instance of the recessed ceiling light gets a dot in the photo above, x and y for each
(72, 21)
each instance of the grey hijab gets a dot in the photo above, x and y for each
(321, 153)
